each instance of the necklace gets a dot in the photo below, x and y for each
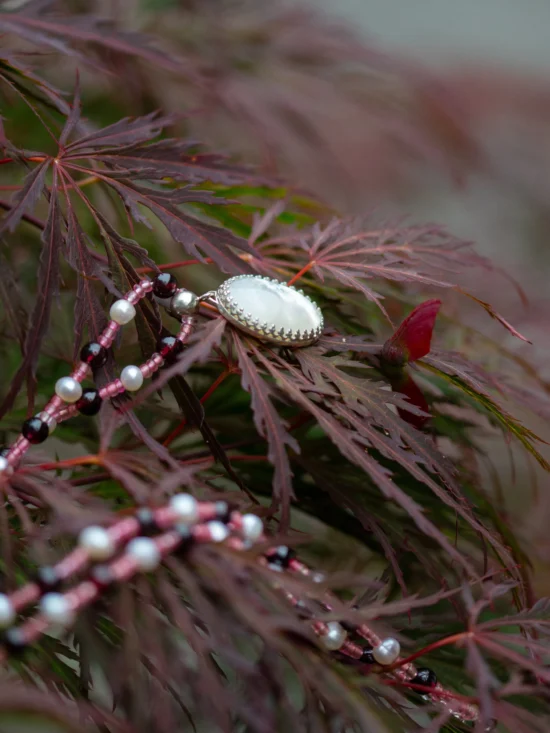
(262, 307)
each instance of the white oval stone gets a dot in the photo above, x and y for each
(271, 310)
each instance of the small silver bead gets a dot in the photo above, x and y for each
(387, 651)
(50, 421)
(7, 611)
(252, 527)
(184, 302)
(97, 542)
(56, 609)
(317, 577)
(218, 531)
(131, 378)
(122, 312)
(145, 552)
(335, 636)
(68, 389)
(186, 508)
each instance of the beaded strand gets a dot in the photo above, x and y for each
(71, 399)
(116, 554)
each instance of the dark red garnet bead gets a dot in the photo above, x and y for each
(4, 451)
(94, 354)
(367, 656)
(164, 285)
(281, 556)
(424, 676)
(147, 522)
(47, 579)
(35, 430)
(169, 347)
(14, 641)
(90, 402)
(102, 577)
(223, 511)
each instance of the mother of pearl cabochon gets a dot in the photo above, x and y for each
(269, 309)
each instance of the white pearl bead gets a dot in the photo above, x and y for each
(122, 312)
(335, 636)
(186, 508)
(49, 420)
(145, 552)
(387, 651)
(97, 542)
(68, 389)
(184, 302)
(7, 611)
(56, 608)
(131, 378)
(252, 527)
(218, 531)
(4, 464)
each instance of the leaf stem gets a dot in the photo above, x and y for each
(435, 645)
(303, 271)
(210, 391)
(172, 265)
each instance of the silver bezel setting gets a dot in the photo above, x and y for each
(261, 329)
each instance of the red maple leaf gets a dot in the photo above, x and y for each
(412, 339)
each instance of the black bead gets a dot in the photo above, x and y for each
(164, 285)
(425, 677)
(35, 430)
(48, 579)
(186, 535)
(147, 522)
(90, 402)
(281, 556)
(14, 641)
(169, 347)
(94, 354)
(102, 576)
(366, 656)
(223, 511)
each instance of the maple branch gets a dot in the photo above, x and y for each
(209, 392)
(29, 218)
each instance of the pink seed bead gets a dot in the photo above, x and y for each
(53, 405)
(133, 298)
(124, 530)
(168, 542)
(73, 563)
(80, 372)
(24, 596)
(165, 517)
(111, 390)
(34, 628)
(146, 285)
(186, 329)
(146, 369)
(157, 360)
(235, 543)
(207, 511)
(124, 567)
(84, 593)
(201, 533)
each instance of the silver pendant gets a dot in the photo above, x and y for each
(270, 310)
